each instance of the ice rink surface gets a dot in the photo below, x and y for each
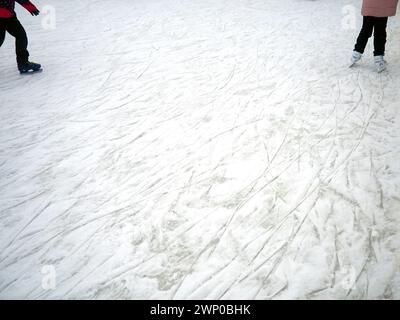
(199, 149)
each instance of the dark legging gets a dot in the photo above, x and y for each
(14, 27)
(378, 26)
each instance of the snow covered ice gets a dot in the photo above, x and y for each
(199, 149)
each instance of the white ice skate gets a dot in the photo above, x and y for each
(356, 56)
(380, 64)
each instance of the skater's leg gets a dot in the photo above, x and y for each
(15, 28)
(365, 34)
(380, 36)
(2, 32)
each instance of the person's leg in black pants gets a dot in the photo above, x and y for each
(14, 27)
(365, 34)
(380, 36)
(2, 31)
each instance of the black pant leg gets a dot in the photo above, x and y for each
(380, 36)
(2, 32)
(365, 34)
(15, 28)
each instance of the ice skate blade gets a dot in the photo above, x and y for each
(31, 72)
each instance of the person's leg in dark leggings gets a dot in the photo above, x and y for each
(365, 34)
(14, 27)
(2, 32)
(380, 36)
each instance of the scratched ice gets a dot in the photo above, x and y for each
(185, 149)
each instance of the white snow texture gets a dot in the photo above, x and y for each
(199, 149)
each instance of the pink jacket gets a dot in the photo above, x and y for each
(379, 8)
